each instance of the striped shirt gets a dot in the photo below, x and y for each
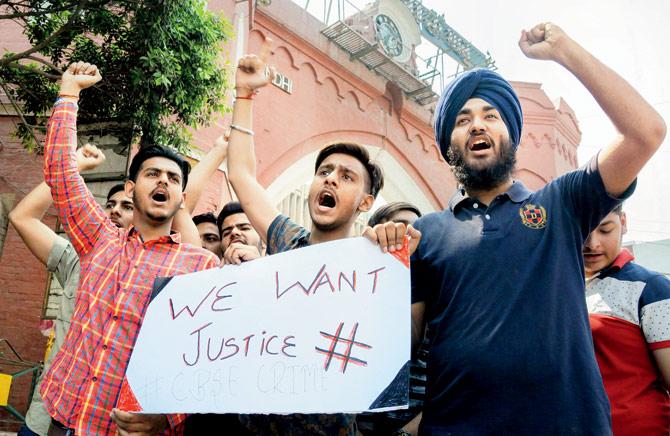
(118, 270)
(629, 311)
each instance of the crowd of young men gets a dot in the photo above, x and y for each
(497, 277)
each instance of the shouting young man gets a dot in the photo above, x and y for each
(118, 268)
(498, 275)
(345, 184)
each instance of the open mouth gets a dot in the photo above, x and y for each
(326, 199)
(479, 144)
(159, 196)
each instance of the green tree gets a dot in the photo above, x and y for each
(161, 62)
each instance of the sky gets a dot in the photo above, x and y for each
(630, 37)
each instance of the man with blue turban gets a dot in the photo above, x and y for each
(496, 93)
(498, 274)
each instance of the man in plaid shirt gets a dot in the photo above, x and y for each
(118, 268)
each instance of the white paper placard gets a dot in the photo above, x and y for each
(322, 329)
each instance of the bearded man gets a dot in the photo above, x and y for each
(498, 274)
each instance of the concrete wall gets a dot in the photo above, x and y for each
(654, 255)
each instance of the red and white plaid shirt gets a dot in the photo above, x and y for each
(117, 274)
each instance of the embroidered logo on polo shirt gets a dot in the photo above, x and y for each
(533, 216)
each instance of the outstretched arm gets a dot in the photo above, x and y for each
(82, 217)
(257, 205)
(203, 171)
(26, 217)
(183, 223)
(641, 128)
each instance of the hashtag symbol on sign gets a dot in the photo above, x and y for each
(349, 343)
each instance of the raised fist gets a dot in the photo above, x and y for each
(89, 157)
(251, 70)
(78, 76)
(545, 41)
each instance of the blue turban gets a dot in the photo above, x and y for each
(477, 83)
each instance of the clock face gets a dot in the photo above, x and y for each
(388, 35)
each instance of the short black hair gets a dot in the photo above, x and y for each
(204, 218)
(361, 154)
(230, 208)
(385, 212)
(114, 189)
(159, 151)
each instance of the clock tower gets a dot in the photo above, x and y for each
(388, 35)
(391, 25)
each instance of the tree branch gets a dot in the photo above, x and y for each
(36, 13)
(34, 70)
(47, 41)
(10, 4)
(18, 112)
(45, 62)
(15, 7)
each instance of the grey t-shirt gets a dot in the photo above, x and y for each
(63, 262)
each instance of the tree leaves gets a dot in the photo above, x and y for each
(163, 72)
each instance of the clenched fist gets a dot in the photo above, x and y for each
(89, 157)
(251, 73)
(545, 41)
(78, 76)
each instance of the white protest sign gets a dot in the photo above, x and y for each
(322, 329)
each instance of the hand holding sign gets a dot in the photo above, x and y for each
(392, 236)
(138, 424)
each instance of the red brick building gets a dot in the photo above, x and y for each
(324, 96)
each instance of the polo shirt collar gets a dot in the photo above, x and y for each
(518, 193)
(621, 260)
(458, 197)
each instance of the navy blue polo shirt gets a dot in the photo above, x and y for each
(504, 291)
